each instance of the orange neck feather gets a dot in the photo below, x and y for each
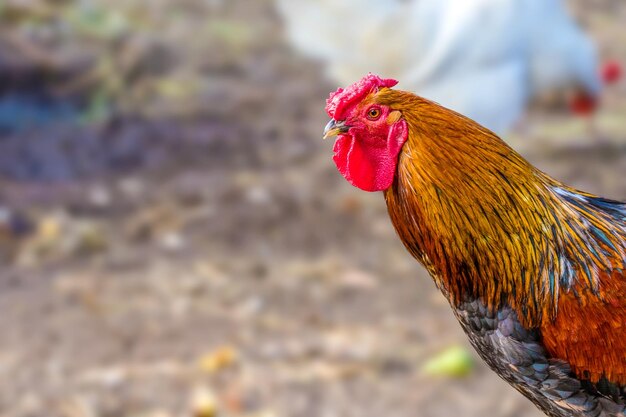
(486, 223)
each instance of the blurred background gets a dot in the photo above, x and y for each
(176, 241)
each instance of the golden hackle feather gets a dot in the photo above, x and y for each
(488, 224)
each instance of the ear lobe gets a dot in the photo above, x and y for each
(393, 117)
(398, 134)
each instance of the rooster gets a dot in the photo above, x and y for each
(535, 271)
(483, 58)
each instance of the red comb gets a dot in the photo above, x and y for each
(341, 99)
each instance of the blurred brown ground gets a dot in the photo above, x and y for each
(182, 243)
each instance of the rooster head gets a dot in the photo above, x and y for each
(369, 134)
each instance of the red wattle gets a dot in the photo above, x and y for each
(365, 166)
(353, 163)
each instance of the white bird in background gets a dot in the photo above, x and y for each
(483, 58)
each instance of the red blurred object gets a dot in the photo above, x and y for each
(611, 72)
(583, 104)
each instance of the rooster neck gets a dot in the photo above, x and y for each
(487, 225)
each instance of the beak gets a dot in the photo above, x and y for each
(334, 128)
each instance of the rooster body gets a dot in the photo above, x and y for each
(483, 58)
(533, 269)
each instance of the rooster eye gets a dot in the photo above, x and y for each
(373, 113)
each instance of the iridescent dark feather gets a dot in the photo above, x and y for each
(517, 354)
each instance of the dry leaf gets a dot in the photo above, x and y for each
(218, 359)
